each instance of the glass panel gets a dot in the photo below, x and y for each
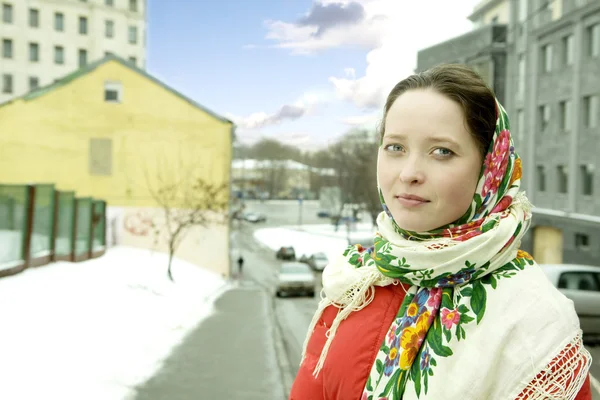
(64, 231)
(13, 222)
(84, 219)
(99, 221)
(43, 221)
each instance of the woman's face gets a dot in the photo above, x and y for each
(429, 164)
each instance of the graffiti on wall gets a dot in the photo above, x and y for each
(138, 223)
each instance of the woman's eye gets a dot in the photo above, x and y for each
(393, 147)
(443, 152)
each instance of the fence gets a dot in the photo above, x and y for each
(39, 224)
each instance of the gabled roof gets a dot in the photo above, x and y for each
(92, 66)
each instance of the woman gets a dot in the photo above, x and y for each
(445, 305)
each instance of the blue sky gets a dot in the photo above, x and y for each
(301, 71)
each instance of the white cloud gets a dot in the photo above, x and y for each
(329, 24)
(409, 27)
(368, 121)
(308, 104)
(350, 73)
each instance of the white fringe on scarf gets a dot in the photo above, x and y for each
(561, 384)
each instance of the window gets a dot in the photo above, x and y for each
(7, 48)
(59, 55)
(34, 52)
(521, 81)
(34, 83)
(7, 83)
(582, 241)
(563, 179)
(579, 280)
(113, 92)
(59, 22)
(34, 18)
(586, 178)
(541, 178)
(109, 28)
(83, 56)
(100, 156)
(590, 111)
(567, 50)
(133, 34)
(593, 40)
(544, 117)
(546, 58)
(83, 26)
(110, 3)
(7, 13)
(133, 5)
(564, 114)
(133, 60)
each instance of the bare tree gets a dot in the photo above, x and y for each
(186, 202)
(355, 163)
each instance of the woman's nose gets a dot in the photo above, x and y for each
(412, 171)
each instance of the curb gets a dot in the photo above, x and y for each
(283, 361)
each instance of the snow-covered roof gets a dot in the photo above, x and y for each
(250, 164)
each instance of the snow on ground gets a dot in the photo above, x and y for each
(94, 330)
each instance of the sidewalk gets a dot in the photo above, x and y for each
(231, 355)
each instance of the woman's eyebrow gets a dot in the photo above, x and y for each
(442, 139)
(431, 139)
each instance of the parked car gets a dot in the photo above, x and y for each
(295, 278)
(286, 253)
(317, 261)
(581, 284)
(255, 217)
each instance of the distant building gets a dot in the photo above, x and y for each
(542, 58)
(111, 131)
(275, 178)
(42, 41)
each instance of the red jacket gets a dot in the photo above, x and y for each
(354, 350)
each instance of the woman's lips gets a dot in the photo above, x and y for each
(411, 201)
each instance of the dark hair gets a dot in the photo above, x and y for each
(464, 86)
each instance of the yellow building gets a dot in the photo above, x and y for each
(113, 132)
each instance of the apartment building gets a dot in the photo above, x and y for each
(542, 58)
(556, 88)
(44, 40)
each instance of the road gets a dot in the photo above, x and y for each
(294, 314)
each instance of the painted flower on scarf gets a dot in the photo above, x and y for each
(414, 310)
(502, 204)
(495, 165)
(450, 318)
(468, 235)
(517, 172)
(411, 340)
(392, 331)
(524, 254)
(425, 359)
(391, 360)
(457, 279)
(435, 298)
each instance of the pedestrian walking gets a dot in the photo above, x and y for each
(445, 305)
(240, 262)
